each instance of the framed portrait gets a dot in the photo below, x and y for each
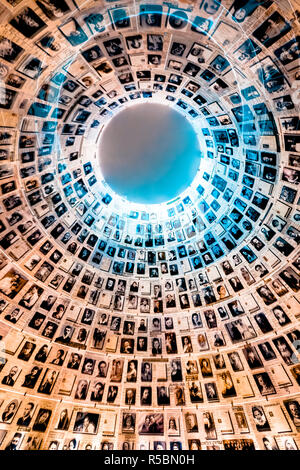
(240, 419)
(201, 25)
(95, 23)
(32, 67)
(42, 420)
(264, 384)
(11, 375)
(54, 9)
(50, 44)
(240, 330)
(9, 50)
(48, 381)
(177, 19)
(73, 32)
(271, 30)
(151, 424)
(293, 409)
(11, 283)
(150, 16)
(173, 425)
(28, 23)
(120, 18)
(86, 423)
(128, 423)
(7, 98)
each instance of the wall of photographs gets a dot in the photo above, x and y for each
(170, 326)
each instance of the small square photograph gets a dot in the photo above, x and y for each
(9, 411)
(7, 98)
(32, 67)
(95, 23)
(271, 78)
(150, 16)
(114, 47)
(191, 69)
(177, 49)
(128, 423)
(11, 283)
(201, 25)
(211, 391)
(289, 52)
(120, 18)
(26, 351)
(42, 420)
(48, 381)
(127, 346)
(291, 175)
(235, 361)
(88, 366)
(195, 391)
(271, 30)
(134, 42)
(264, 384)
(285, 351)
(247, 51)
(191, 422)
(54, 9)
(288, 443)
(28, 23)
(49, 330)
(120, 61)
(154, 59)
(151, 423)
(154, 42)
(50, 44)
(31, 297)
(9, 50)
(73, 32)
(240, 330)
(11, 376)
(86, 423)
(293, 409)
(81, 390)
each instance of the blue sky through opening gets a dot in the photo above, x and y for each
(149, 153)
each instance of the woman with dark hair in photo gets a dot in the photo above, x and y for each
(281, 316)
(97, 393)
(156, 346)
(264, 384)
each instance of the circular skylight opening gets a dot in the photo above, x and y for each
(149, 153)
